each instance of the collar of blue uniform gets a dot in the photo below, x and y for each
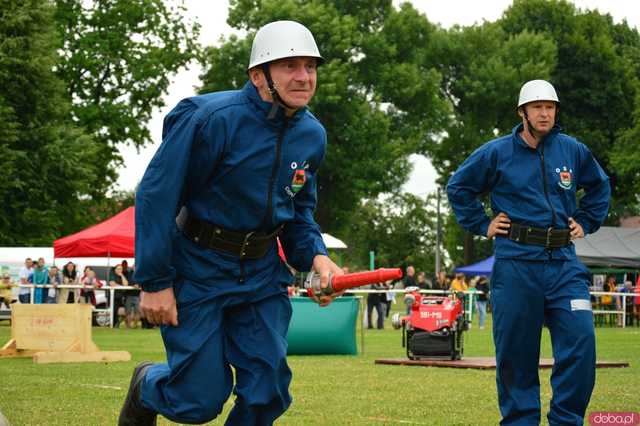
(252, 93)
(515, 134)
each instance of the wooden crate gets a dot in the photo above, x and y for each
(55, 333)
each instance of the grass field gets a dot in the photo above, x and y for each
(327, 390)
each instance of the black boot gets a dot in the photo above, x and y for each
(132, 412)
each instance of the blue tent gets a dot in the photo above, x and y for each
(483, 267)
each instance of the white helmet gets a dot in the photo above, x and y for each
(537, 90)
(282, 39)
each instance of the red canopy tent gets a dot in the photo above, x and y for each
(114, 237)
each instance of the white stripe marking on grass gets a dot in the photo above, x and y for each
(91, 385)
(385, 420)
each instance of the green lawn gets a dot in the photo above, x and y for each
(327, 390)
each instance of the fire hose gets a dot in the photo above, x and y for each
(338, 283)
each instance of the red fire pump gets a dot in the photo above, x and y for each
(434, 326)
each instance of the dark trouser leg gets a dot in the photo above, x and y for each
(517, 300)
(380, 309)
(256, 346)
(370, 306)
(570, 323)
(196, 381)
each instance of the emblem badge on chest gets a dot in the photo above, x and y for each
(566, 178)
(298, 181)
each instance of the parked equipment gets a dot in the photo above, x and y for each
(434, 327)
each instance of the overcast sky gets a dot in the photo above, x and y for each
(212, 15)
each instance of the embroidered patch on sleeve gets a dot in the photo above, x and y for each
(580, 305)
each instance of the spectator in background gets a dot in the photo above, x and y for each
(40, 276)
(376, 301)
(6, 295)
(389, 298)
(128, 272)
(606, 300)
(636, 302)
(409, 279)
(422, 281)
(132, 297)
(89, 282)
(24, 295)
(470, 299)
(54, 281)
(459, 283)
(69, 277)
(119, 279)
(132, 306)
(481, 304)
(618, 302)
(440, 282)
(628, 302)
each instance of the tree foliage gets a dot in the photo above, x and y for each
(376, 102)
(117, 57)
(400, 229)
(46, 161)
(77, 80)
(597, 78)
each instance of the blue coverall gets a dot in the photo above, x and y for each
(532, 285)
(231, 166)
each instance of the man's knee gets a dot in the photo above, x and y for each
(198, 412)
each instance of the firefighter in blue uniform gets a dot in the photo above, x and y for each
(532, 176)
(235, 169)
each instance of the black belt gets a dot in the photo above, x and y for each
(246, 245)
(548, 238)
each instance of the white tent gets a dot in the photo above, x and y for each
(610, 247)
(332, 242)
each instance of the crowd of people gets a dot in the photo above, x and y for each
(479, 304)
(614, 304)
(48, 284)
(51, 281)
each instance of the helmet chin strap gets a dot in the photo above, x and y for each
(277, 100)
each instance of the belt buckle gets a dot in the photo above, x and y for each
(548, 242)
(245, 243)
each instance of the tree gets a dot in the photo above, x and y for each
(47, 162)
(117, 59)
(376, 104)
(400, 229)
(625, 159)
(597, 73)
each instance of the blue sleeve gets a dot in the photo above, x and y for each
(301, 238)
(467, 183)
(594, 205)
(159, 195)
